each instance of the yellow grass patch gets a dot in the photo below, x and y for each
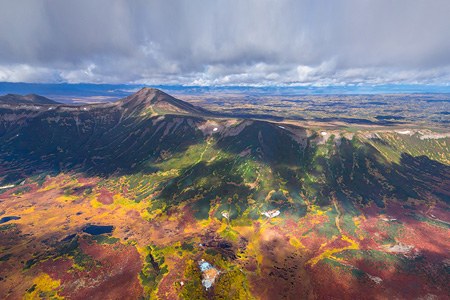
(330, 252)
(44, 284)
(296, 242)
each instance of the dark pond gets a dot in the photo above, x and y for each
(98, 229)
(69, 237)
(8, 218)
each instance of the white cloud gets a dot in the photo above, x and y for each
(27, 73)
(254, 42)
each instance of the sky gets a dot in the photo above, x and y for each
(226, 42)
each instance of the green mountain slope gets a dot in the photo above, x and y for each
(150, 130)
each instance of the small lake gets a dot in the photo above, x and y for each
(8, 218)
(98, 229)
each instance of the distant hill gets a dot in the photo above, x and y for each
(25, 99)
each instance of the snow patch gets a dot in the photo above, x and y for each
(375, 279)
(271, 213)
(404, 132)
(400, 248)
(6, 186)
(226, 215)
(209, 273)
(432, 136)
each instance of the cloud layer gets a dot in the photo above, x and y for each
(223, 42)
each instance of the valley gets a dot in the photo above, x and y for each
(129, 199)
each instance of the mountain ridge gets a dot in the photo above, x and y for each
(146, 101)
(26, 99)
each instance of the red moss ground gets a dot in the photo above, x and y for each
(114, 275)
(274, 255)
(105, 197)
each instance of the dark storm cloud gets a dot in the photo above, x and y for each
(226, 42)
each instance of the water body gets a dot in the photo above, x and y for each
(98, 229)
(69, 237)
(8, 218)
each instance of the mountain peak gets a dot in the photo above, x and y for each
(148, 92)
(159, 102)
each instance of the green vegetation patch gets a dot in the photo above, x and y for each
(348, 225)
(8, 227)
(22, 190)
(5, 257)
(429, 220)
(232, 283)
(377, 260)
(155, 266)
(70, 248)
(393, 230)
(105, 239)
(29, 263)
(229, 234)
(193, 288)
(329, 228)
